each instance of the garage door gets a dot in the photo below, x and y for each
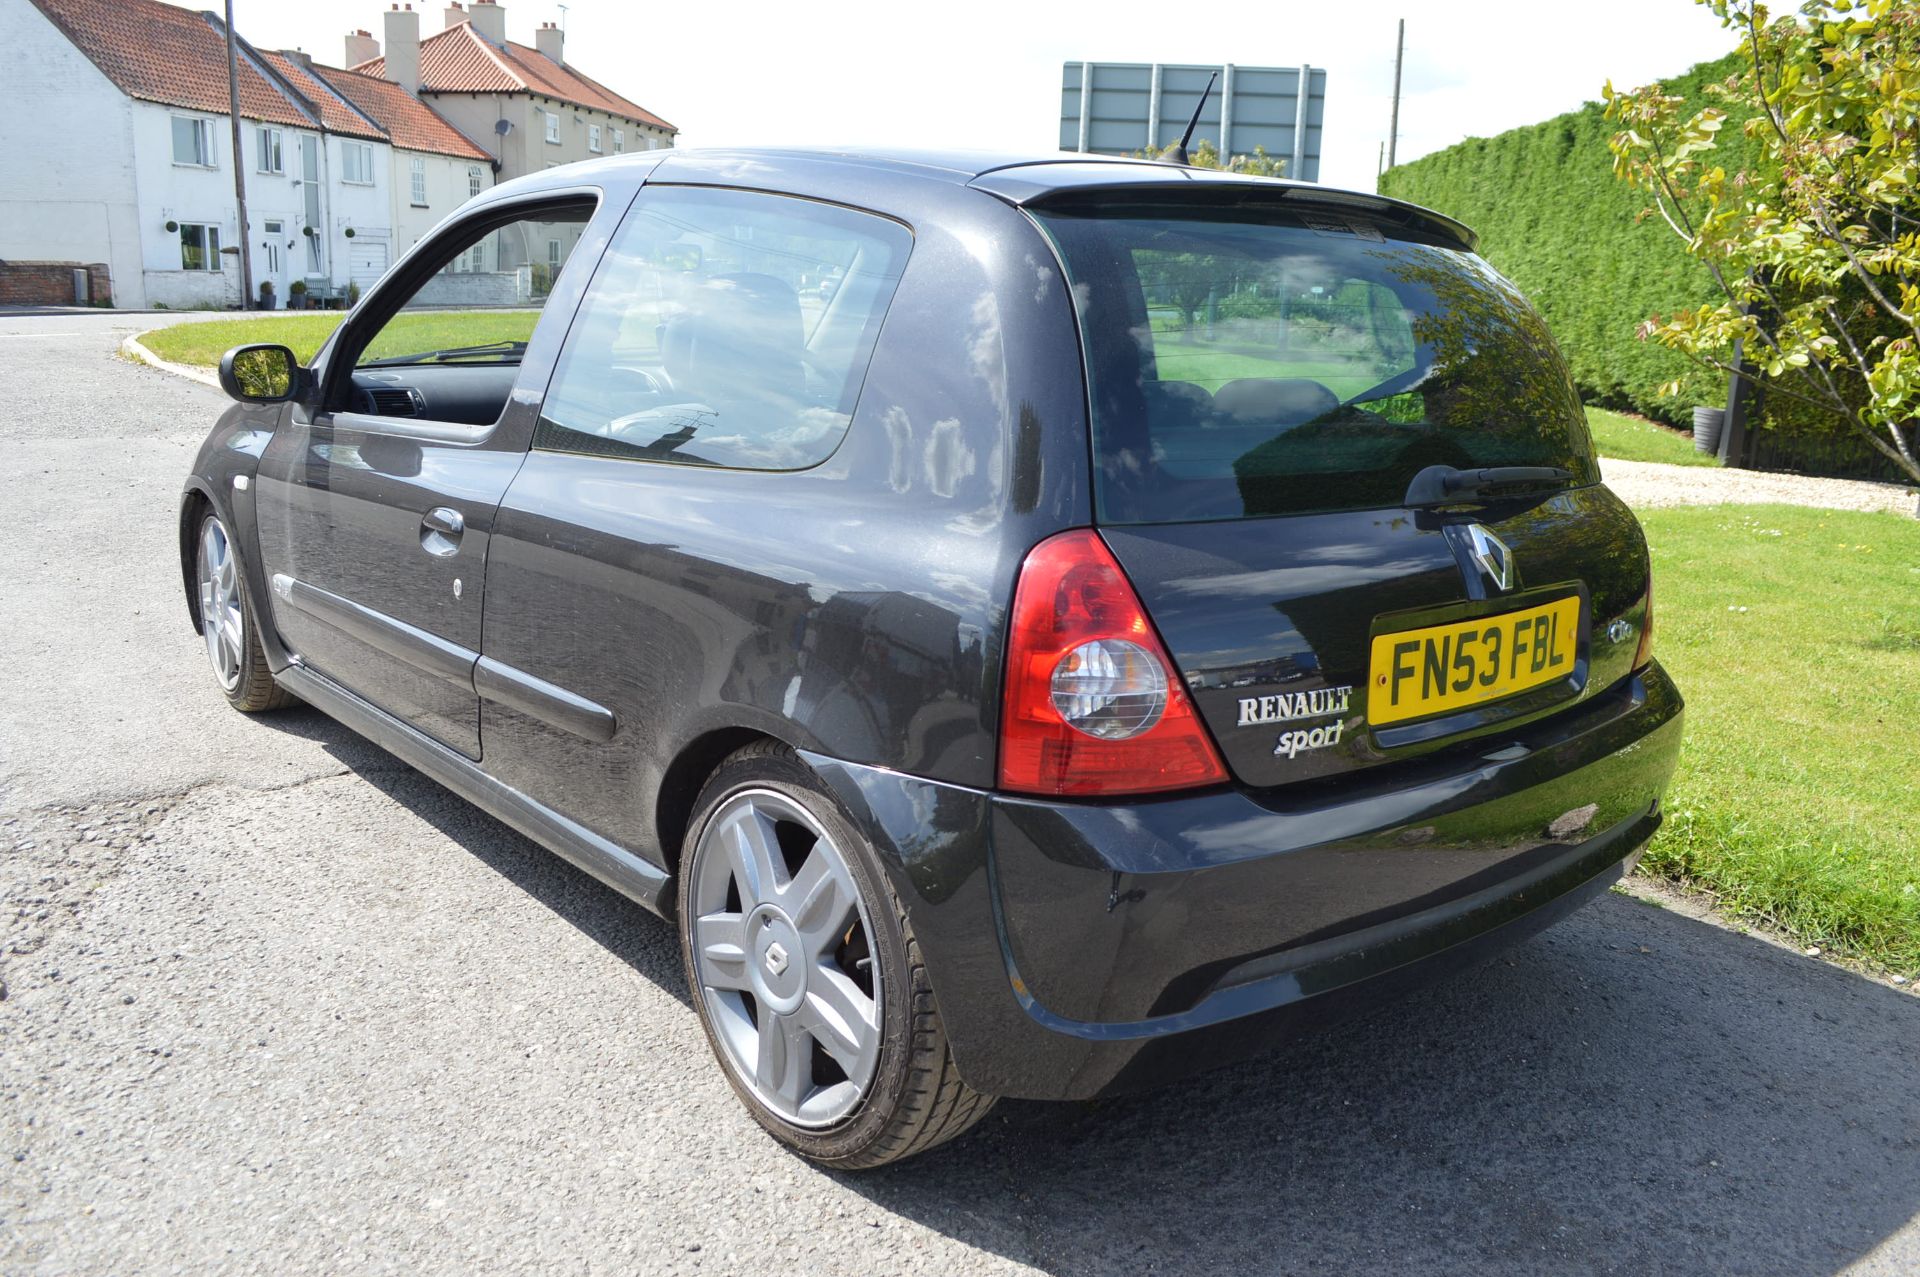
(366, 261)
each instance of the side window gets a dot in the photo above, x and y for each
(480, 306)
(725, 328)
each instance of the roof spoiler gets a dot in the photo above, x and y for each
(1042, 182)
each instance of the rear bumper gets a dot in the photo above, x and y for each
(1083, 949)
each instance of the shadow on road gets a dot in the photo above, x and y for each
(609, 919)
(1631, 1092)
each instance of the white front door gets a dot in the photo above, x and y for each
(273, 262)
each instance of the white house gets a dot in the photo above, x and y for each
(527, 104)
(329, 159)
(436, 167)
(53, 208)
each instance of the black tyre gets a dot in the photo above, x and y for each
(227, 623)
(805, 973)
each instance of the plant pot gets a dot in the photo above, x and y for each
(1707, 425)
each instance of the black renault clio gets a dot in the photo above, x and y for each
(1039, 626)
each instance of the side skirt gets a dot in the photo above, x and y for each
(638, 879)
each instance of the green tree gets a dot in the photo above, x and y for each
(1816, 248)
(1189, 281)
(1206, 155)
(1184, 281)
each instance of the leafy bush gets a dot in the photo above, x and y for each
(1813, 250)
(1553, 219)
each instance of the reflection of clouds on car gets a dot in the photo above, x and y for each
(694, 432)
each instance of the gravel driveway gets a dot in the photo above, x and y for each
(275, 1003)
(1653, 483)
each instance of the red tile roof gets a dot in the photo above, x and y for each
(410, 123)
(337, 114)
(461, 60)
(159, 53)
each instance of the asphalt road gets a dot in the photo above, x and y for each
(275, 1003)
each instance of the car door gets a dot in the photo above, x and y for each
(376, 502)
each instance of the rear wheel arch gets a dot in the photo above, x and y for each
(687, 775)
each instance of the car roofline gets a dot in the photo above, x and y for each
(1020, 179)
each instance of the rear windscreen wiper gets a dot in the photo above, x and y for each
(1444, 485)
(456, 352)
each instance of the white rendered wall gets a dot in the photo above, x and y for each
(60, 201)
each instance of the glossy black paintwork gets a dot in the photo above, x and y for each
(623, 624)
(1257, 606)
(1108, 920)
(221, 480)
(1098, 947)
(856, 609)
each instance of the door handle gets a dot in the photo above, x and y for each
(440, 531)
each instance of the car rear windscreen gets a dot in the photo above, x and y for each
(1259, 360)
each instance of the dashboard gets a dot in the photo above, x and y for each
(469, 394)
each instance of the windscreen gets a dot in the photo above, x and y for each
(1251, 361)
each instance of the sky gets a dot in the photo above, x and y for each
(986, 74)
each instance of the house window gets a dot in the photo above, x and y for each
(593, 138)
(553, 128)
(419, 173)
(653, 143)
(474, 180)
(553, 253)
(271, 160)
(193, 141)
(619, 141)
(356, 163)
(199, 246)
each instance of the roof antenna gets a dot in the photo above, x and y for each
(1177, 153)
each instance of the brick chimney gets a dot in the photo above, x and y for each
(403, 47)
(456, 14)
(361, 47)
(489, 19)
(548, 40)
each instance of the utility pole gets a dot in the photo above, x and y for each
(1393, 130)
(239, 171)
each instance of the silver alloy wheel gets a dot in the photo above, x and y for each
(221, 619)
(784, 958)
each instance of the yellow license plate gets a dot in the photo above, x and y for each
(1417, 673)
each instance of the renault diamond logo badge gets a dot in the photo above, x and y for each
(1492, 554)
(776, 958)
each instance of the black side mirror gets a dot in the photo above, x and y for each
(260, 374)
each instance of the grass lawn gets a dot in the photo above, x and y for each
(1637, 439)
(1795, 636)
(1213, 367)
(202, 344)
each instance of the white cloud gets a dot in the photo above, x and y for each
(986, 73)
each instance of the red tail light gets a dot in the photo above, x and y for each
(1092, 704)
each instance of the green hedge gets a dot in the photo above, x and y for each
(1554, 219)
